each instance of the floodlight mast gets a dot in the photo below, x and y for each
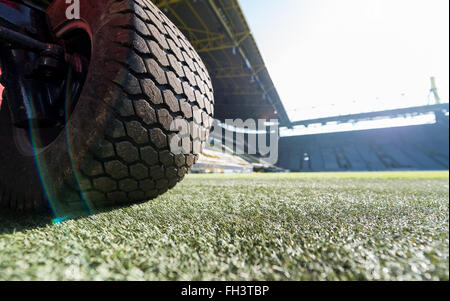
(434, 90)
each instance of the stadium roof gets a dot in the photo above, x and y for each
(219, 32)
(410, 111)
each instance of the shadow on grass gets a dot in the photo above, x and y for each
(11, 221)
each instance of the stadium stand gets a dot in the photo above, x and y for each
(243, 89)
(419, 147)
(214, 159)
(221, 156)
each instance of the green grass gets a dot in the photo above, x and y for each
(324, 226)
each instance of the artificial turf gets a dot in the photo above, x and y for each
(325, 226)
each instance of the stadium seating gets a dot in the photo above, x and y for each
(420, 147)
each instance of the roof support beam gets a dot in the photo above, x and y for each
(165, 3)
(233, 72)
(217, 29)
(236, 44)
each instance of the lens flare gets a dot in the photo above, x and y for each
(67, 108)
(1, 90)
(41, 163)
(48, 184)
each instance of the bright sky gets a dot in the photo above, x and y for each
(329, 57)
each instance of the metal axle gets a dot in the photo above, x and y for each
(21, 41)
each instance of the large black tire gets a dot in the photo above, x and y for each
(115, 149)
